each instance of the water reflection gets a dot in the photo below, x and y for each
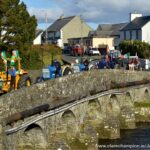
(136, 139)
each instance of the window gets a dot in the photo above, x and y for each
(137, 34)
(124, 35)
(131, 35)
(57, 34)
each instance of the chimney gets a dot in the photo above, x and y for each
(134, 15)
(62, 17)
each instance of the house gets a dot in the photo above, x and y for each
(65, 28)
(38, 37)
(105, 37)
(137, 29)
(107, 34)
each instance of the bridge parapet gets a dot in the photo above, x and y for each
(66, 89)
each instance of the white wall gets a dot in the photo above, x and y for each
(134, 15)
(60, 43)
(146, 33)
(38, 40)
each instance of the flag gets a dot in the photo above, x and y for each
(3, 55)
(127, 55)
(15, 53)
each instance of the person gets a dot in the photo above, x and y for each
(12, 71)
(13, 58)
(102, 64)
(132, 65)
(111, 64)
(58, 68)
(86, 63)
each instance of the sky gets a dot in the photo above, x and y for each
(93, 12)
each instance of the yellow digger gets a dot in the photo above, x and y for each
(20, 78)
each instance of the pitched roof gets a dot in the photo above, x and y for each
(137, 23)
(105, 30)
(38, 32)
(59, 23)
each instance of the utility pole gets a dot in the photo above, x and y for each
(46, 28)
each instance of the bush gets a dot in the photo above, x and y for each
(141, 48)
(36, 57)
(47, 53)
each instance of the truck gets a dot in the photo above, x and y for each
(77, 50)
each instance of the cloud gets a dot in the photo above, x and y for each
(41, 14)
(93, 11)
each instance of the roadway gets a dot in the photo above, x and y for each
(68, 59)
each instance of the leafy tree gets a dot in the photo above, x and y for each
(17, 30)
(18, 25)
(136, 46)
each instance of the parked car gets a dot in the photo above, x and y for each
(145, 64)
(67, 50)
(94, 51)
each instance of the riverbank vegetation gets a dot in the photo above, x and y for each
(142, 104)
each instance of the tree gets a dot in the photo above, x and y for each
(18, 25)
(136, 47)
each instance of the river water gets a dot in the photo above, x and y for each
(135, 139)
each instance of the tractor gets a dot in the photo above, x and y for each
(53, 71)
(21, 76)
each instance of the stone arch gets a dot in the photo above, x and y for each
(68, 116)
(32, 126)
(69, 123)
(93, 110)
(94, 104)
(109, 107)
(128, 99)
(146, 94)
(113, 104)
(34, 138)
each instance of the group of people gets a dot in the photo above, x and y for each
(12, 70)
(106, 62)
(134, 64)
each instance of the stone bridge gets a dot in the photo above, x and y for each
(75, 111)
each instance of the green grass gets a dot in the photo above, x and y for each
(142, 104)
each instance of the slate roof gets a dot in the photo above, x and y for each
(106, 30)
(38, 32)
(137, 23)
(59, 23)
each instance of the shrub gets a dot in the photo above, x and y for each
(135, 46)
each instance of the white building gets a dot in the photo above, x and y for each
(38, 37)
(137, 29)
